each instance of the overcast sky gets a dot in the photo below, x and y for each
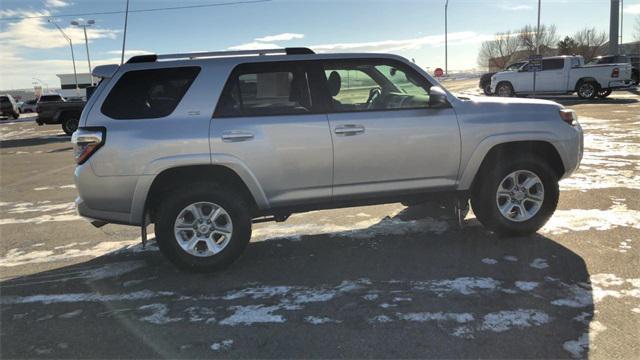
(415, 29)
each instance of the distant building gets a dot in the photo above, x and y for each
(68, 85)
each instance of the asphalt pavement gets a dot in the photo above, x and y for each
(377, 282)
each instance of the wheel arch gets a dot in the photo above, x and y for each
(585, 79)
(493, 152)
(175, 177)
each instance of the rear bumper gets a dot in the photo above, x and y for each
(620, 84)
(99, 217)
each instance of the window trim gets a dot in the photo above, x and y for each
(376, 61)
(247, 68)
(119, 78)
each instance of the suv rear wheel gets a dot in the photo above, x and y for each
(203, 227)
(517, 197)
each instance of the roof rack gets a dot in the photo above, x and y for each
(196, 55)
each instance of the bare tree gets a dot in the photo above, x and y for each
(546, 38)
(499, 52)
(567, 46)
(590, 43)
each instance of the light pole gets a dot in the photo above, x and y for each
(42, 82)
(84, 25)
(124, 36)
(73, 58)
(446, 59)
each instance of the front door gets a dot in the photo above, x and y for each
(267, 120)
(386, 137)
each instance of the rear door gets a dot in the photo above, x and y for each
(552, 77)
(267, 120)
(386, 138)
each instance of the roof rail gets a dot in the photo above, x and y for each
(196, 55)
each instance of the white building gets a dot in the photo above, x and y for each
(68, 84)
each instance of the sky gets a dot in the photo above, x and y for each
(33, 48)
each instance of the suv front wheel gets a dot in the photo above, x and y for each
(203, 227)
(517, 197)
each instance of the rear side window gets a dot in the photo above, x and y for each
(264, 89)
(552, 64)
(148, 94)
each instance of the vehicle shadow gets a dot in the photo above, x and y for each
(406, 287)
(43, 140)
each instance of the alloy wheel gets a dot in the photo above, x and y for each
(203, 229)
(520, 195)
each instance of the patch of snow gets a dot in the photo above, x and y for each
(508, 319)
(380, 319)
(489, 261)
(510, 258)
(158, 314)
(462, 285)
(539, 263)
(436, 316)
(371, 297)
(577, 347)
(252, 314)
(223, 345)
(320, 320)
(83, 297)
(564, 221)
(464, 332)
(526, 285)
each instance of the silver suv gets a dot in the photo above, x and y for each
(204, 144)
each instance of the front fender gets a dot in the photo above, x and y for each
(482, 149)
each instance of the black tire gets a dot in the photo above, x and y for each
(487, 89)
(225, 197)
(70, 124)
(504, 89)
(15, 116)
(485, 205)
(587, 90)
(603, 93)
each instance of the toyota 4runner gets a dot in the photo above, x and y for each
(204, 144)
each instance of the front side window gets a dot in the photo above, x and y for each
(264, 89)
(365, 85)
(514, 67)
(148, 94)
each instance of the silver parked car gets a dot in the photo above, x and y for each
(204, 144)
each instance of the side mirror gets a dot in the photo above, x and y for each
(437, 97)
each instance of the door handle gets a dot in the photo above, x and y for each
(233, 136)
(349, 129)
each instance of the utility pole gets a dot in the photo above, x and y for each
(446, 59)
(613, 27)
(537, 46)
(73, 58)
(124, 36)
(621, 19)
(84, 26)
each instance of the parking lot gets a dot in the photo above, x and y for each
(380, 281)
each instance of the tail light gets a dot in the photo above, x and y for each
(569, 116)
(615, 72)
(86, 141)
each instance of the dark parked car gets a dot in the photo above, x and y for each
(9, 107)
(634, 60)
(485, 79)
(28, 106)
(53, 109)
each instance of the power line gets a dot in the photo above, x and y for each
(246, 2)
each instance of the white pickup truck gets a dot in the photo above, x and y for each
(564, 75)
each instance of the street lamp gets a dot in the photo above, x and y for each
(73, 58)
(84, 25)
(42, 83)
